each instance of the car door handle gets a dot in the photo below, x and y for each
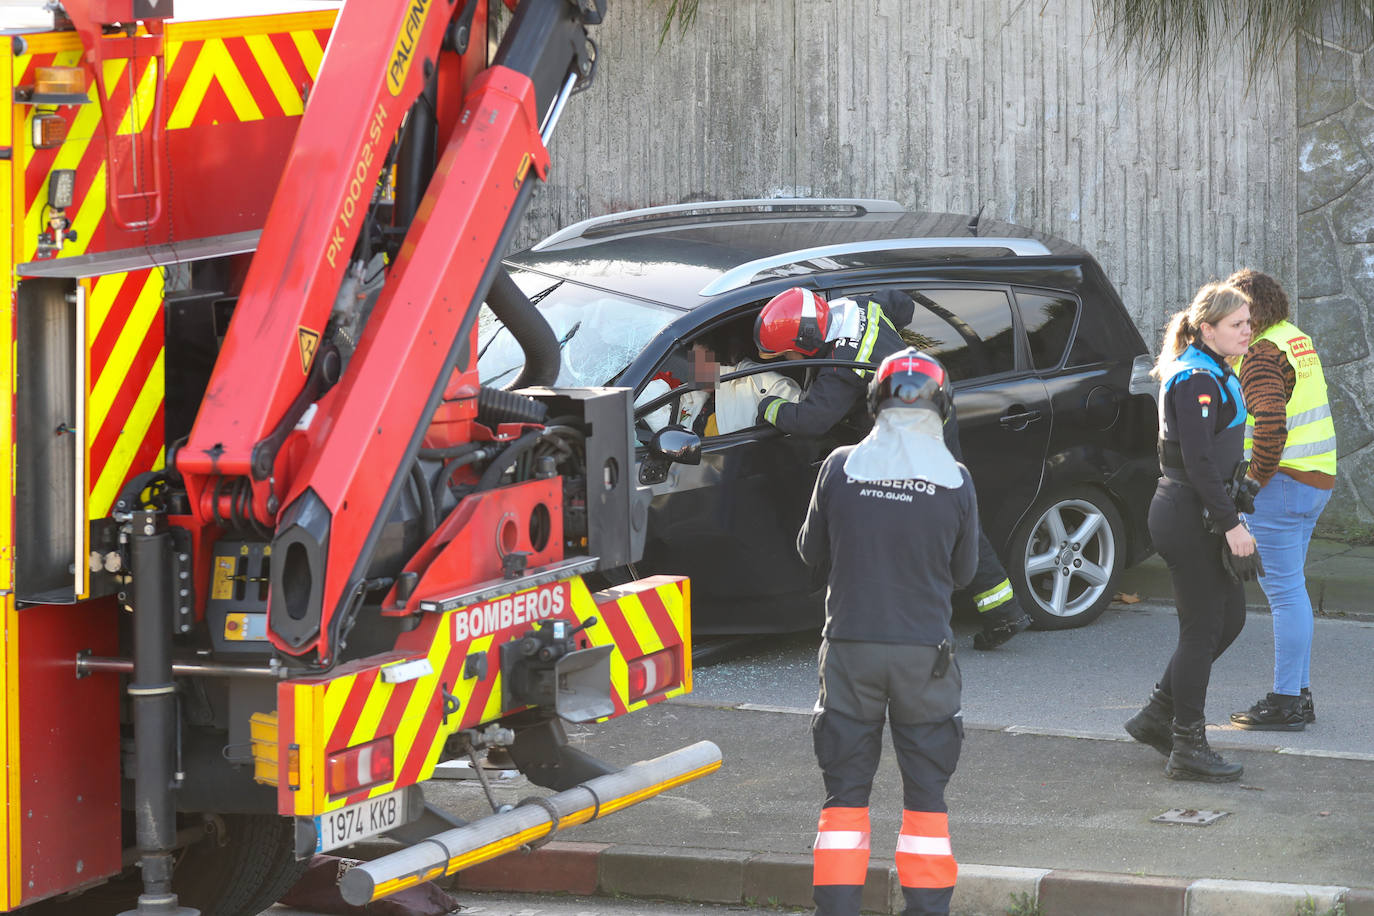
(1019, 420)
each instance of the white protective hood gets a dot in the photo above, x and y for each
(905, 444)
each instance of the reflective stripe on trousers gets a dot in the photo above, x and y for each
(841, 849)
(924, 857)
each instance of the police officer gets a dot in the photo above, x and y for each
(1195, 524)
(864, 328)
(894, 520)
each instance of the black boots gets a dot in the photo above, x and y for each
(1153, 725)
(1276, 713)
(1309, 712)
(1191, 758)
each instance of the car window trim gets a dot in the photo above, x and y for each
(1024, 365)
(1073, 332)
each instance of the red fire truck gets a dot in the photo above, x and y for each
(271, 550)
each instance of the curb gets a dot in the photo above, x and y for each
(720, 876)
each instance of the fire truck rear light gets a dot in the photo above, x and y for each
(49, 130)
(59, 81)
(653, 674)
(359, 766)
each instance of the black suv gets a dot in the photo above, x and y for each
(1057, 417)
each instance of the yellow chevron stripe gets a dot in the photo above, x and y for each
(365, 729)
(265, 53)
(131, 438)
(88, 217)
(493, 708)
(308, 46)
(99, 301)
(142, 102)
(638, 619)
(335, 695)
(415, 711)
(146, 310)
(213, 63)
(249, 25)
(193, 91)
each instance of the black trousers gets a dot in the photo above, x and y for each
(862, 686)
(1211, 607)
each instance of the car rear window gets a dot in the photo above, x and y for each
(1048, 319)
(970, 330)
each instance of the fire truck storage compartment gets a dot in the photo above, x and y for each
(607, 417)
(49, 448)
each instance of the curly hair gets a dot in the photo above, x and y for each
(1268, 303)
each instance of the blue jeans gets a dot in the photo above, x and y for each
(1285, 513)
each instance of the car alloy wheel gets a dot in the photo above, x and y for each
(1066, 556)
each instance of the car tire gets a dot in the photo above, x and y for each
(1044, 546)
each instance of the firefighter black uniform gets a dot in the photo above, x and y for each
(864, 327)
(895, 551)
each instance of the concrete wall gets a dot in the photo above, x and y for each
(1018, 106)
(1335, 280)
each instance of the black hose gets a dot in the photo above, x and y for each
(530, 330)
(426, 498)
(446, 472)
(449, 451)
(504, 461)
(495, 406)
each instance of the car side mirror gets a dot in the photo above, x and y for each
(670, 445)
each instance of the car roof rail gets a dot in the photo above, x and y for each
(745, 273)
(783, 206)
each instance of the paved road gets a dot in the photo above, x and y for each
(475, 904)
(1088, 681)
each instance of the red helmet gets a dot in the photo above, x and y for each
(910, 378)
(792, 320)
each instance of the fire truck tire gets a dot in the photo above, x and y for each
(242, 872)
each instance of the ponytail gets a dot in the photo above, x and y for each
(1213, 302)
(1178, 334)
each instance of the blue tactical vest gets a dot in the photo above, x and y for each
(1194, 360)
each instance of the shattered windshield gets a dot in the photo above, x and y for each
(598, 332)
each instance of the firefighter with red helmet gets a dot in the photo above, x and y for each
(853, 328)
(894, 520)
(864, 328)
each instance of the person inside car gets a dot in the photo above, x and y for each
(865, 328)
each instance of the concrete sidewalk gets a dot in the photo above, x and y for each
(1061, 823)
(1340, 580)
(1042, 823)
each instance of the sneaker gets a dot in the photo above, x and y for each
(1275, 713)
(1309, 712)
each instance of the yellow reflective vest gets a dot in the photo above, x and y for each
(1311, 444)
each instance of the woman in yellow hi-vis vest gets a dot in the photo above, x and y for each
(1291, 442)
